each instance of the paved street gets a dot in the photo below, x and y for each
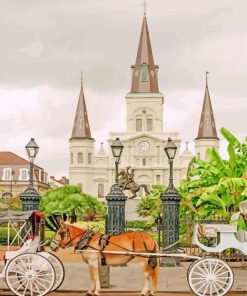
(173, 281)
(4, 293)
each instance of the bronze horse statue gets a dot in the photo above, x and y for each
(127, 182)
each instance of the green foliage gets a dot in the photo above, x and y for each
(98, 226)
(70, 200)
(216, 187)
(151, 206)
(137, 224)
(11, 203)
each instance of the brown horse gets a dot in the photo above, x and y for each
(83, 239)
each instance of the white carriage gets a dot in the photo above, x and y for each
(212, 276)
(28, 270)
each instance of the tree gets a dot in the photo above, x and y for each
(69, 200)
(217, 187)
(151, 206)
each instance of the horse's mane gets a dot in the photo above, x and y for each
(76, 225)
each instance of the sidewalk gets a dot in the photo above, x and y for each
(130, 278)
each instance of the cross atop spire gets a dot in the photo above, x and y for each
(145, 4)
(81, 79)
(207, 78)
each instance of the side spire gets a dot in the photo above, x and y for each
(207, 128)
(144, 74)
(81, 128)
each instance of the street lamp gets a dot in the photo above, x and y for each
(117, 149)
(30, 198)
(32, 150)
(170, 199)
(170, 150)
(115, 221)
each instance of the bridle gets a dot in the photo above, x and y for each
(61, 235)
(59, 238)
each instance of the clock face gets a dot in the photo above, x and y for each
(144, 146)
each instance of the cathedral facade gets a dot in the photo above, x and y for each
(144, 139)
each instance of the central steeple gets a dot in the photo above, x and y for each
(144, 74)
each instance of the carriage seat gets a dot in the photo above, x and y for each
(243, 208)
(242, 235)
(30, 246)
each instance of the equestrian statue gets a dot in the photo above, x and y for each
(126, 182)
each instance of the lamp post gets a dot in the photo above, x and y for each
(115, 219)
(170, 199)
(30, 198)
(115, 222)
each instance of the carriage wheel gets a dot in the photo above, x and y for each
(30, 274)
(58, 268)
(210, 277)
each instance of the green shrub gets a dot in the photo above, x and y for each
(96, 226)
(136, 224)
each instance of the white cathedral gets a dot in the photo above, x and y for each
(144, 139)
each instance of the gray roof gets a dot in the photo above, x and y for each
(14, 216)
(81, 128)
(207, 127)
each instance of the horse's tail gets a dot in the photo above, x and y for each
(153, 268)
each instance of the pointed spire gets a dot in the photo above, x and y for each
(81, 128)
(144, 75)
(207, 128)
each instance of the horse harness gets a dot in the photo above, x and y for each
(84, 243)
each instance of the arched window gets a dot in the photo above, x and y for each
(149, 124)
(80, 185)
(138, 124)
(144, 161)
(101, 190)
(71, 158)
(90, 158)
(79, 157)
(144, 72)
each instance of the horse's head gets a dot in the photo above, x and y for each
(66, 236)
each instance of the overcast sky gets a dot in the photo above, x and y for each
(45, 44)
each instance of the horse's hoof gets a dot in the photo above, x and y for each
(88, 294)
